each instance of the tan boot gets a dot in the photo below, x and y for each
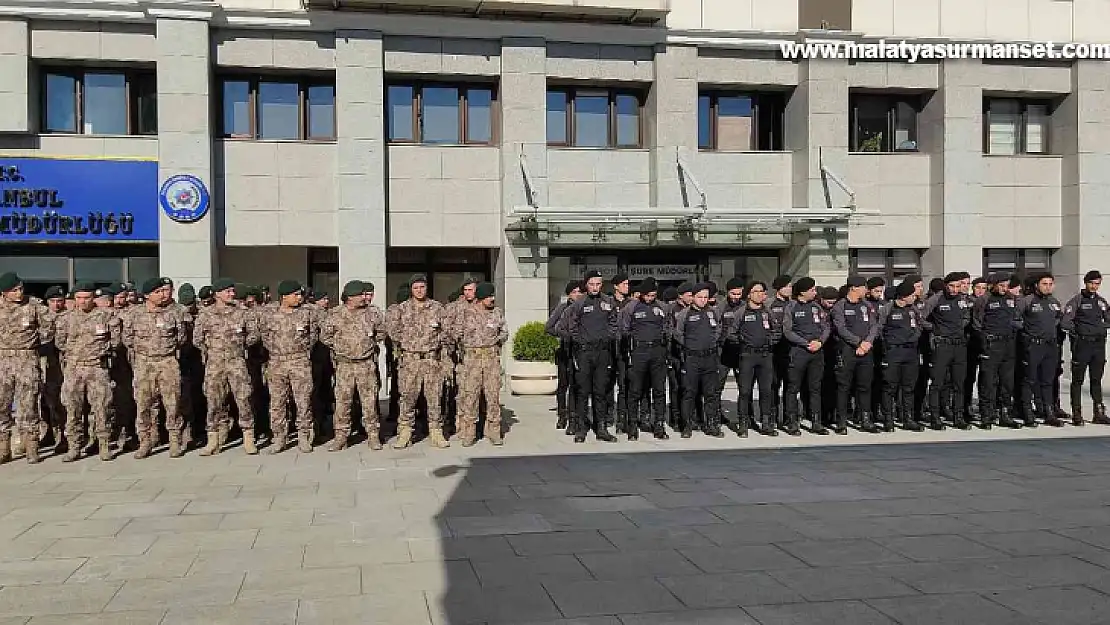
(176, 450)
(144, 447)
(339, 443)
(373, 441)
(105, 444)
(404, 437)
(73, 453)
(248, 443)
(304, 442)
(435, 437)
(222, 434)
(186, 438)
(213, 446)
(31, 441)
(493, 433)
(5, 448)
(277, 445)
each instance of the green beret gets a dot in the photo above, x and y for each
(186, 295)
(105, 291)
(241, 291)
(456, 294)
(403, 293)
(222, 284)
(9, 281)
(205, 292)
(352, 288)
(288, 287)
(252, 291)
(418, 277)
(484, 290)
(84, 287)
(154, 284)
(367, 287)
(54, 292)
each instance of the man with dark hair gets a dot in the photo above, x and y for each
(992, 323)
(900, 325)
(780, 354)
(1038, 315)
(806, 330)
(756, 333)
(974, 352)
(685, 293)
(620, 362)
(1086, 319)
(564, 361)
(644, 324)
(730, 350)
(697, 334)
(856, 327)
(947, 314)
(591, 324)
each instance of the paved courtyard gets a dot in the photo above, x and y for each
(951, 527)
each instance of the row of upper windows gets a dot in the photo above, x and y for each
(276, 108)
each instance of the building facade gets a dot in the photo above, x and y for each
(525, 141)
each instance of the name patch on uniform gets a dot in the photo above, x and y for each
(695, 317)
(896, 316)
(1054, 306)
(606, 307)
(1036, 308)
(749, 317)
(658, 312)
(849, 311)
(640, 315)
(588, 309)
(1010, 303)
(944, 307)
(1082, 306)
(994, 305)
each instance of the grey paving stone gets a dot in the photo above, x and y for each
(355, 553)
(171, 524)
(1074, 604)
(47, 599)
(663, 538)
(100, 546)
(518, 569)
(551, 490)
(508, 524)
(121, 568)
(742, 558)
(696, 499)
(950, 609)
(841, 552)
(239, 561)
(260, 520)
(389, 580)
(506, 605)
(239, 504)
(698, 485)
(570, 521)
(1033, 543)
(1015, 521)
(135, 510)
(75, 529)
(1091, 535)
(139, 594)
(729, 589)
(629, 596)
(303, 584)
(735, 534)
(133, 617)
(676, 517)
(629, 564)
(758, 513)
(240, 613)
(472, 547)
(690, 617)
(130, 496)
(841, 583)
(589, 620)
(31, 572)
(938, 548)
(194, 542)
(551, 543)
(854, 612)
(404, 610)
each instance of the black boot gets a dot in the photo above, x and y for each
(602, 434)
(936, 422)
(742, 424)
(769, 428)
(1100, 415)
(561, 424)
(1077, 415)
(793, 427)
(1059, 413)
(1005, 420)
(633, 430)
(987, 418)
(959, 422)
(1031, 415)
(818, 428)
(867, 424)
(841, 424)
(660, 432)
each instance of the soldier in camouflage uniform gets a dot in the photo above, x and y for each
(289, 332)
(25, 326)
(459, 301)
(192, 370)
(480, 332)
(154, 334)
(391, 358)
(223, 334)
(121, 410)
(352, 332)
(53, 412)
(416, 327)
(88, 337)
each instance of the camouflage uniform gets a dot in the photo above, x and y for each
(223, 335)
(191, 402)
(289, 335)
(353, 337)
(53, 411)
(480, 333)
(24, 329)
(122, 408)
(154, 339)
(416, 329)
(88, 341)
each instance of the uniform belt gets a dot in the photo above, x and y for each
(1091, 338)
(638, 344)
(485, 349)
(346, 360)
(97, 364)
(748, 349)
(591, 345)
(434, 353)
(950, 340)
(289, 357)
(990, 338)
(140, 356)
(700, 352)
(911, 345)
(1039, 341)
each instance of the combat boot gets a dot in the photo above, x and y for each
(562, 422)
(818, 428)
(5, 448)
(867, 424)
(1100, 415)
(338, 443)
(104, 443)
(1077, 415)
(222, 434)
(602, 434)
(793, 426)
(213, 446)
(31, 442)
(436, 438)
(304, 442)
(373, 441)
(742, 426)
(72, 455)
(144, 447)
(494, 435)
(278, 444)
(176, 450)
(1059, 413)
(1005, 420)
(404, 437)
(959, 422)
(841, 427)
(248, 443)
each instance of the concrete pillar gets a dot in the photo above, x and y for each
(359, 110)
(15, 110)
(952, 132)
(672, 127)
(187, 252)
(1081, 132)
(521, 272)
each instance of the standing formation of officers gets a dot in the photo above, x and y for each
(104, 363)
(865, 353)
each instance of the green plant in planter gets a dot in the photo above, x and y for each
(532, 343)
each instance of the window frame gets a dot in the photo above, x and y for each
(891, 102)
(1021, 264)
(758, 101)
(254, 112)
(890, 272)
(131, 93)
(1021, 135)
(613, 94)
(417, 108)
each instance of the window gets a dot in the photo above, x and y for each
(594, 118)
(277, 109)
(444, 114)
(1016, 126)
(740, 121)
(883, 123)
(1016, 261)
(891, 265)
(96, 102)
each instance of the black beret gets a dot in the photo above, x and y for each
(979, 280)
(936, 284)
(573, 284)
(186, 295)
(734, 283)
(780, 282)
(828, 292)
(9, 281)
(154, 284)
(1092, 275)
(223, 284)
(205, 292)
(418, 277)
(891, 292)
(755, 283)
(456, 294)
(403, 293)
(964, 275)
(620, 277)
(1015, 281)
(702, 286)
(842, 292)
(288, 287)
(351, 289)
(955, 276)
(874, 282)
(484, 290)
(685, 287)
(804, 284)
(857, 281)
(648, 285)
(669, 294)
(591, 274)
(996, 278)
(913, 278)
(54, 292)
(712, 288)
(105, 291)
(84, 287)
(905, 289)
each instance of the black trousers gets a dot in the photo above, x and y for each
(756, 366)
(974, 350)
(947, 376)
(900, 378)
(564, 393)
(924, 373)
(674, 388)
(1040, 364)
(810, 368)
(780, 361)
(1087, 355)
(730, 362)
(620, 380)
(854, 376)
(648, 372)
(699, 376)
(996, 375)
(592, 371)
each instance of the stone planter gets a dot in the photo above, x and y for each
(533, 378)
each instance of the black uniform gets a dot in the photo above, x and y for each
(592, 326)
(803, 323)
(900, 328)
(924, 372)
(948, 316)
(620, 375)
(1038, 316)
(674, 368)
(564, 364)
(697, 333)
(992, 322)
(645, 330)
(730, 349)
(877, 406)
(855, 324)
(1086, 319)
(780, 356)
(755, 333)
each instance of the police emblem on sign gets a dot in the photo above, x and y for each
(184, 198)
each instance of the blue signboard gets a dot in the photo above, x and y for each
(69, 200)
